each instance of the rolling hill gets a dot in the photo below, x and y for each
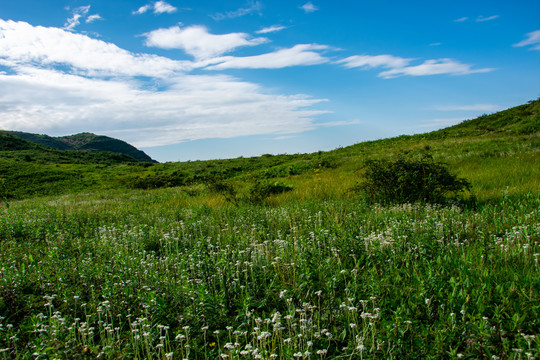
(85, 142)
(494, 152)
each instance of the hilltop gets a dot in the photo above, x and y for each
(84, 142)
(519, 120)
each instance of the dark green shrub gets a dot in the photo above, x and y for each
(218, 186)
(4, 192)
(260, 191)
(155, 181)
(408, 180)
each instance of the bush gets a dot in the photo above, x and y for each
(154, 181)
(218, 186)
(260, 191)
(408, 180)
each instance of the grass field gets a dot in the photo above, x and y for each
(103, 269)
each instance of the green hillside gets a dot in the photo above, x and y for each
(520, 120)
(85, 142)
(498, 151)
(99, 143)
(44, 140)
(13, 143)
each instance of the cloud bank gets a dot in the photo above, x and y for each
(59, 80)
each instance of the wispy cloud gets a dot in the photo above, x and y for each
(77, 15)
(374, 61)
(462, 19)
(434, 67)
(252, 7)
(271, 29)
(158, 7)
(532, 39)
(93, 18)
(474, 107)
(486, 18)
(198, 42)
(339, 123)
(309, 7)
(401, 66)
(303, 54)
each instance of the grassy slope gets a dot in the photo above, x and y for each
(498, 151)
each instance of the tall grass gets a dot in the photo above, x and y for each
(161, 274)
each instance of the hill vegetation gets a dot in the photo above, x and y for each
(489, 151)
(279, 256)
(84, 142)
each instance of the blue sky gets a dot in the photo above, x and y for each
(187, 80)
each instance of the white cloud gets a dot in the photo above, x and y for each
(51, 87)
(159, 7)
(475, 107)
(23, 43)
(433, 67)
(75, 20)
(93, 18)
(340, 123)
(309, 7)
(198, 42)
(488, 18)
(143, 9)
(253, 7)
(401, 66)
(373, 61)
(271, 29)
(303, 54)
(533, 40)
(462, 19)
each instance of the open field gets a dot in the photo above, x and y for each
(144, 275)
(117, 261)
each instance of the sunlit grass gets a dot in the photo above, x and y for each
(161, 274)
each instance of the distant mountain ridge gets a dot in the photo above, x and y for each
(84, 142)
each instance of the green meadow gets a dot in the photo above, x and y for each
(277, 256)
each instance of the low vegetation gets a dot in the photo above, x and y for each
(280, 256)
(409, 180)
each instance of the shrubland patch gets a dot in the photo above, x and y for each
(409, 179)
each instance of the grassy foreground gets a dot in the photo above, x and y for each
(153, 274)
